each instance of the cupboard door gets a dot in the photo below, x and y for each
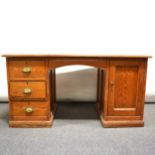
(126, 88)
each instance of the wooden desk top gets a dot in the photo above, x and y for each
(75, 56)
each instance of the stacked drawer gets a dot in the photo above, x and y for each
(28, 89)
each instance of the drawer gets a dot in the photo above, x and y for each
(29, 109)
(27, 90)
(27, 70)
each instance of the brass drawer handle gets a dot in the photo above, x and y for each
(27, 70)
(28, 110)
(27, 91)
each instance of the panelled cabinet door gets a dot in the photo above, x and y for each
(126, 88)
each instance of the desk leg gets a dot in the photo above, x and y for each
(54, 103)
(100, 80)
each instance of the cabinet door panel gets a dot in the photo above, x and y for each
(125, 80)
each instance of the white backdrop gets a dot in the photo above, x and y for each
(78, 27)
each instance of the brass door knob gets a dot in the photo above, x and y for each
(28, 110)
(112, 83)
(26, 70)
(27, 91)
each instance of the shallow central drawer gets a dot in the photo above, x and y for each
(28, 90)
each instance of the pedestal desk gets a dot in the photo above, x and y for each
(120, 88)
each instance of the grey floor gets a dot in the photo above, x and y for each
(77, 131)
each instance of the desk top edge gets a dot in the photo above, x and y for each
(73, 56)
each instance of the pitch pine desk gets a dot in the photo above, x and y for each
(120, 88)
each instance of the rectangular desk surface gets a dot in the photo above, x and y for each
(76, 55)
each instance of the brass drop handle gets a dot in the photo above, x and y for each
(27, 91)
(28, 110)
(27, 70)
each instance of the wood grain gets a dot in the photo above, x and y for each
(39, 108)
(17, 90)
(31, 124)
(122, 123)
(15, 69)
(124, 83)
